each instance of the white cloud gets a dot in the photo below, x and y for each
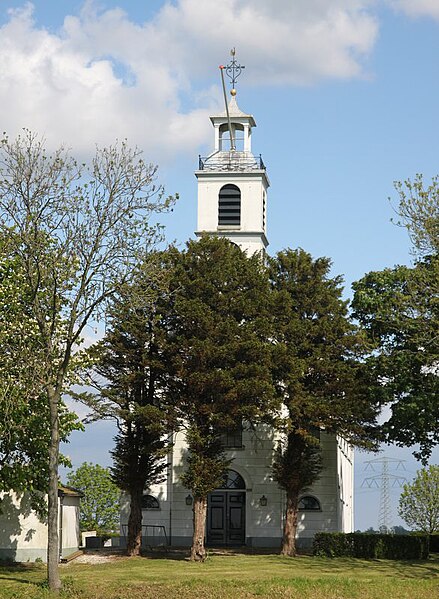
(284, 42)
(103, 76)
(67, 86)
(418, 8)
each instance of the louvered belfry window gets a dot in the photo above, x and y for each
(229, 206)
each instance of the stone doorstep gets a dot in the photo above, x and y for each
(71, 557)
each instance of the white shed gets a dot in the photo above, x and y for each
(23, 536)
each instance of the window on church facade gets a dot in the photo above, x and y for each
(232, 438)
(232, 480)
(229, 206)
(263, 209)
(150, 503)
(308, 503)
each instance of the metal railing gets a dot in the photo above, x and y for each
(149, 536)
(230, 161)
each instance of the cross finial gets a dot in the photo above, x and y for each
(233, 69)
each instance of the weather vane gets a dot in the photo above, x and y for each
(233, 69)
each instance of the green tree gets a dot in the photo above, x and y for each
(77, 231)
(419, 501)
(100, 505)
(218, 350)
(130, 378)
(24, 411)
(398, 309)
(318, 374)
(418, 210)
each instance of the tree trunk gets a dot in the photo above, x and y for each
(288, 546)
(134, 540)
(198, 551)
(52, 513)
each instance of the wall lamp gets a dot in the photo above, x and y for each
(189, 500)
(263, 501)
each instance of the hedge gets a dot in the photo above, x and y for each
(434, 542)
(371, 546)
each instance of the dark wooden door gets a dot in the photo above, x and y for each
(226, 518)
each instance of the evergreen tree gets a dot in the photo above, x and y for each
(130, 375)
(317, 372)
(218, 346)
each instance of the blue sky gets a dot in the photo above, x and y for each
(344, 93)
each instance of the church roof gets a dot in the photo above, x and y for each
(64, 490)
(234, 109)
(235, 113)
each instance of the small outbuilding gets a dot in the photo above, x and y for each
(23, 535)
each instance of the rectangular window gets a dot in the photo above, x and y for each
(232, 438)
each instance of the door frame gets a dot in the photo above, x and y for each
(234, 485)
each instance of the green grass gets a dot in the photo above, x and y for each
(231, 577)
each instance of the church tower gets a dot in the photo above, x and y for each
(249, 507)
(232, 182)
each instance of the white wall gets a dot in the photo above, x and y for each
(251, 233)
(345, 474)
(23, 536)
(264, 524)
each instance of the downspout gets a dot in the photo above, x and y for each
(61, 504)
(171, 486)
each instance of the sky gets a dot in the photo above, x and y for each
(344, 93)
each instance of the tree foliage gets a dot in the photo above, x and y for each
(318, 373)
(399, 310)
(100, 504)
(77, 230)
(418, 210)
(218, 350)
(24, 410)
(419, 501)
(130, 377)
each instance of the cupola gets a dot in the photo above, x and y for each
(232, 182)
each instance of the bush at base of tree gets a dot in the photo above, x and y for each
(434, 543)
(371, 546)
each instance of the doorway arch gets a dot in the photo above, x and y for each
(226, 512)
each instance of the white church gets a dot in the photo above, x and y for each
(248, 510)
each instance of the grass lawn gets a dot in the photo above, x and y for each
(230, 577)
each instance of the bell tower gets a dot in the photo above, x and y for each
(232, 182)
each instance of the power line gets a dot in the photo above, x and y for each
(383, 481)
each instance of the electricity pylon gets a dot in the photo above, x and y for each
(384, 481)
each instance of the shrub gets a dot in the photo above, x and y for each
(371, 546)
(434, 543)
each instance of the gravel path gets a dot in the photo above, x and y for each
(97, 557)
